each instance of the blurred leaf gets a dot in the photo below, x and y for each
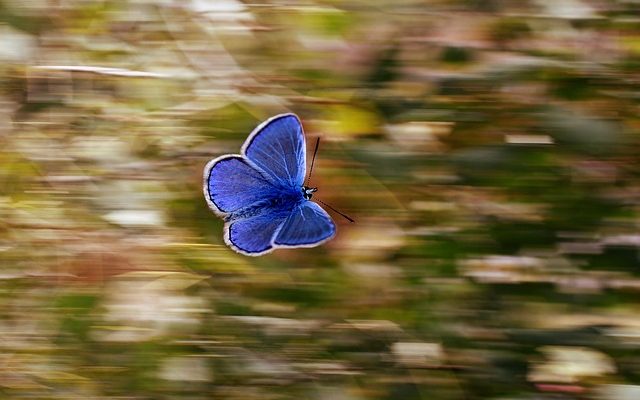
(385, 68)
(343, 120)
(327, 20)
(584, 133)
(456, 55)
(509, 29)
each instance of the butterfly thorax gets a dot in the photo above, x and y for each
(307, 192)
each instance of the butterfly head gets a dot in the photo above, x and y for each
(307, 192)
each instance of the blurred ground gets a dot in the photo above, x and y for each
(487, 149)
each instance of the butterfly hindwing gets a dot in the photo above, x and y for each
(307, 225)
(277, 147)
(254, 236)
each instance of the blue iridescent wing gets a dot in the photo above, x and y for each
(259, 192)
(254, 236)
(277, 147)
(232, 184)
(308, 225)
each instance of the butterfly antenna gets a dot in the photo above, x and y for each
(333, 209)
(313, 160)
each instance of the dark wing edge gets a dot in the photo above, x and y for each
(205, 183)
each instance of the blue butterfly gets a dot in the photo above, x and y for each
(261, 195)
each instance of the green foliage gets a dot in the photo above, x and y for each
(509, 29)
(456, 55)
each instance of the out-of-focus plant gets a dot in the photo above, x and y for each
(487, 149)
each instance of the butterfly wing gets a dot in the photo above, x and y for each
(277, 148)
(231, 184)
(254, 236)
(240, 193)
(308, 225)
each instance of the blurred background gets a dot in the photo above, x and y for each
(488, 150)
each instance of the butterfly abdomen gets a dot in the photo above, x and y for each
(278, 205)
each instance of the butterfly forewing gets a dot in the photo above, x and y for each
(232, 184)
(277, 147)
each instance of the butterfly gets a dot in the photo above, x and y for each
(261, 194)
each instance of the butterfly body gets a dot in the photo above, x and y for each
(261, 195)
(283, 203)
